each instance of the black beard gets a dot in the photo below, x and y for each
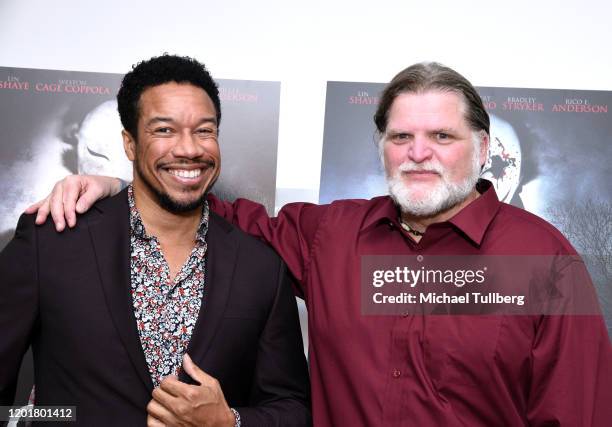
(168, 203)
(174, 206)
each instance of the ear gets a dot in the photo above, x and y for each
(484, 147)
(129, 145)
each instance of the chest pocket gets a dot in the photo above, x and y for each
(460, 349)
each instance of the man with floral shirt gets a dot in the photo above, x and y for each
(163, 312)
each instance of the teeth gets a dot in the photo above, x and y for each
(192, 173)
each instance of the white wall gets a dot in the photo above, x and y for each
(547, 44)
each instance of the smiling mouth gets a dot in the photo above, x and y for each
(185, 173)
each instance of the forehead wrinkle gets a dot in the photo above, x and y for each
(176, 104)
(444, 129)
(212, 120)
(416, 111)
(160, 119)
(203, 120)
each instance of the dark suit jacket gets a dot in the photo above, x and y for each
(69, 296)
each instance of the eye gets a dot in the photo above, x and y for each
(163, 130)
(399, 137)
(206, 132)
(443, 137)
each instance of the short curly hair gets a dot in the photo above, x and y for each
(157, 71)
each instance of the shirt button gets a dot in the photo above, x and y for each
(397, 373)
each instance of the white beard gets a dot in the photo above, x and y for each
(426, 202)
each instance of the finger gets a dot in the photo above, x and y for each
(43, 211)
(196, 373)
(57, 206)
(33, 208)
(154, 422)
(173, 386)
(90, 191)
(72, 189)
(86, 200)
(166, 399)
(161, 413)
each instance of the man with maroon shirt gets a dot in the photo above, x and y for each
(554, 368)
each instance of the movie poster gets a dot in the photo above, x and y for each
(56, 123)
(549, 153)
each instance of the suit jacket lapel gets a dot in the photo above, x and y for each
(222, 249)
(110, 234)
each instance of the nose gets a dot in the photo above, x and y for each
(420, 150)
(188, 146)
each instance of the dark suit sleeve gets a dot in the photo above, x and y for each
(18, 303)
(280, 395)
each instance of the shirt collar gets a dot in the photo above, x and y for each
(383, 210)
(473, 220)
(138, 229)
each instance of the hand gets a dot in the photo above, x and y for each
(178, 404)
(63, 203)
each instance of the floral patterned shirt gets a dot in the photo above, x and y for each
(166, 310)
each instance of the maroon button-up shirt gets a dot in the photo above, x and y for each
(432, 370)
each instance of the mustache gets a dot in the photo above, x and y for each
(421, 167)
(200, 163)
